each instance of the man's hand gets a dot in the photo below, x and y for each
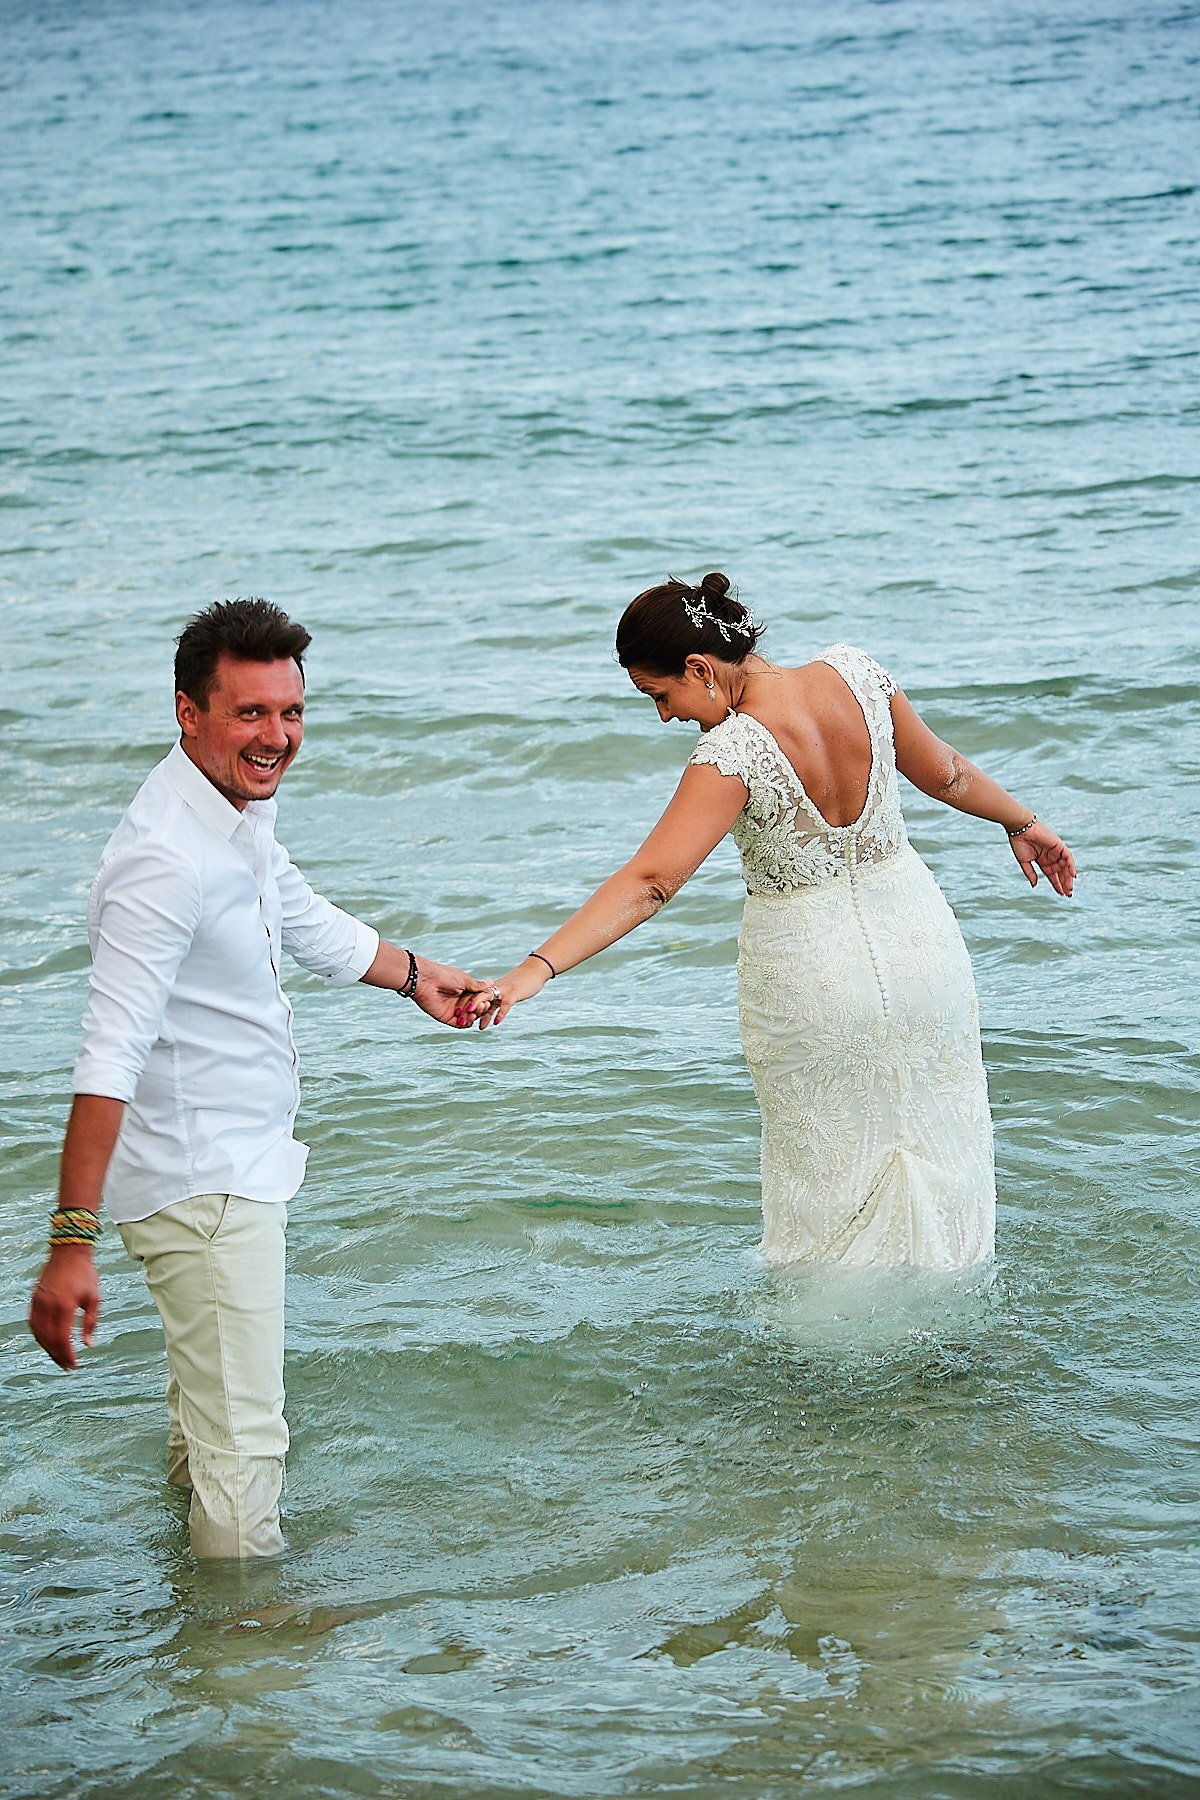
(67, 1285)
(447, 993)
(442, 991)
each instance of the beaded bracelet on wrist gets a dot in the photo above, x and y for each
(1021, 829)
(408, 986)
(74, 1225)
(546, 960)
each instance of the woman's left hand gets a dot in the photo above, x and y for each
(521, 983)
(1040, 848)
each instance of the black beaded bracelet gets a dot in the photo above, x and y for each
(408, 986)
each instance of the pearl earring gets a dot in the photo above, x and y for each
(712, 692)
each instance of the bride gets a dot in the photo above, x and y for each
(857, 1005)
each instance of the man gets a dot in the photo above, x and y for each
(186, 1086)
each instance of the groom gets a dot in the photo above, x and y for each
(186, 1087)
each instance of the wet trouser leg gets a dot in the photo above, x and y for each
(214, 1265)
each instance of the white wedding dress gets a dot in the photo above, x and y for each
(858, 1016)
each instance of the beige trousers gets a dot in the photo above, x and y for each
(214, 1267)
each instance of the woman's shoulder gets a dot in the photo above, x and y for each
(857, 665)
(727, 746)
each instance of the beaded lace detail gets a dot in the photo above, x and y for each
(784, 841)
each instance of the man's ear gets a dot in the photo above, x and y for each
(185, 711)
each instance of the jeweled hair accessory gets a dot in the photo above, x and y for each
(696, 610)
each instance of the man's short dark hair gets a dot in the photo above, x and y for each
(253, 630)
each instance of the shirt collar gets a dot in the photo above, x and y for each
(208, 801)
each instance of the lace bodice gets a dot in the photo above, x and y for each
(785, 843)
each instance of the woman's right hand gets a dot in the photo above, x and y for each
(521, 983)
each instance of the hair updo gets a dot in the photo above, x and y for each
(667, 624)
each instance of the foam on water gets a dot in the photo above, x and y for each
(854, 1311)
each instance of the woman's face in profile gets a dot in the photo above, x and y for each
(682, 697)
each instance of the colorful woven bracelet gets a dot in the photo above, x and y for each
(74, 1225)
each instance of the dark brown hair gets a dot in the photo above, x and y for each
(658, 632)
(253, 630)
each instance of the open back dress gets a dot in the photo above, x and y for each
(859, 1019)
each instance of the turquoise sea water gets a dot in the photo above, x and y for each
(449, 328)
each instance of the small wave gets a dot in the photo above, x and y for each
(1128, 484)
(849, 1310)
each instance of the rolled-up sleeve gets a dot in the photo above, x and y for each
(143, 913)
(323, 939)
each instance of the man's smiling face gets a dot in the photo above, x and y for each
(251, 729)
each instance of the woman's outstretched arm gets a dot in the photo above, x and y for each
(704, 806)
(943, 773)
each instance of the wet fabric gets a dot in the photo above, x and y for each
(858, 1014)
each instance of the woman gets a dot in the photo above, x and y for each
(857, 1004)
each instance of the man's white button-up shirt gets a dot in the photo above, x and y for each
(186, 1019)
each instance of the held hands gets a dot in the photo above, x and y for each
(521, 983)
(1040, 848)
(447, 994)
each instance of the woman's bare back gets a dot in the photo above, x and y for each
(819, 725)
